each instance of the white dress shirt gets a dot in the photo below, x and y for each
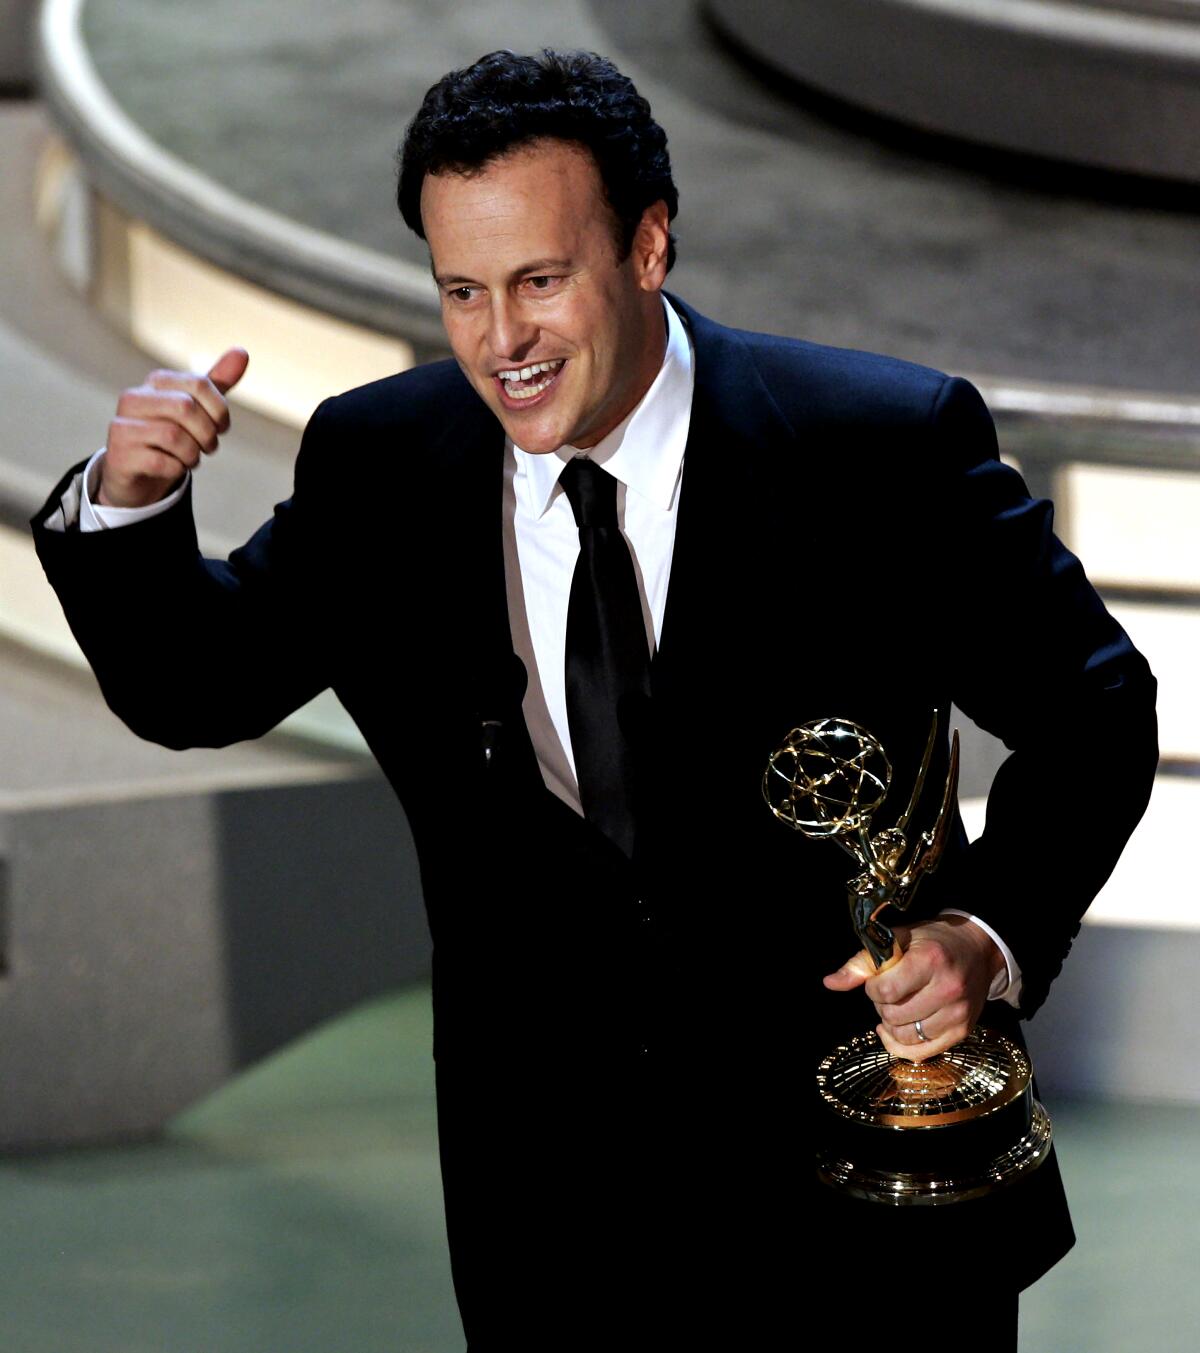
(645, 454)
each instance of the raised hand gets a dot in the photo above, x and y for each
(162, 428)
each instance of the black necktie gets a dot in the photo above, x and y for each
(608, 659)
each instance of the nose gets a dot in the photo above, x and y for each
(511, 332)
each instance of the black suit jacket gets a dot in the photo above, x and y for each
(624, 1050)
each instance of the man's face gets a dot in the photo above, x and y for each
(525, 258)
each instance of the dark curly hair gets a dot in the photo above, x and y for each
(473, 116)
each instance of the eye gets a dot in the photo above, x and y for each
(542, 282)
(461, 293)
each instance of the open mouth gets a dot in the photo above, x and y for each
(528, 382)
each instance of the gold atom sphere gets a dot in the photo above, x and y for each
(827, 778)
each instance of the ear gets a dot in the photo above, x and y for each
(649, 251)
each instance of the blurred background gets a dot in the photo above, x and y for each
(217, 1116)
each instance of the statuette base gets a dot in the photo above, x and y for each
(940, 1131)
(931, 1189)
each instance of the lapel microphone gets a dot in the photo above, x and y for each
(501, 694)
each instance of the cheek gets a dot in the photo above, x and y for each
(467, 367)
(463, 333)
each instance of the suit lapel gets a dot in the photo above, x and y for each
(735, 427)
(469, 451)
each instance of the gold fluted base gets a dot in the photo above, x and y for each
(942, 1131)
(930, 1189)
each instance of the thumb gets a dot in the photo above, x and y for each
(229, 368)
(853, 973)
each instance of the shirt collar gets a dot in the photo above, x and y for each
(645, 450)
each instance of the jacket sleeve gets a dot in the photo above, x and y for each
(1036, 660)
(196, 652)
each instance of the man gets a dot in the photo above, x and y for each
(576, 718)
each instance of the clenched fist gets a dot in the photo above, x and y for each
(942, 980)
(162, 428)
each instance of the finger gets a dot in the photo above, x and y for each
(940, 981)
(933, 1025)
(905, 1051)
(205, 389)
(925, 964)
(179, 406)
(942, 990)
(895, 1041)
(907, 1032)
(853, 973)
(901, 982)
(175, 440)
(136, 444)
(229, 368)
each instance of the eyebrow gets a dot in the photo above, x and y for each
(535, 266)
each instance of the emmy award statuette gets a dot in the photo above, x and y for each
(958, 1125)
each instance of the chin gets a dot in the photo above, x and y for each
(535, 445)
(535, 437)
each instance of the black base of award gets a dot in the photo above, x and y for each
(955, 1127)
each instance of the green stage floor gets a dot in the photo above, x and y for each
(298, 1209)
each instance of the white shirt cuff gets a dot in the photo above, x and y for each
(1006, 986)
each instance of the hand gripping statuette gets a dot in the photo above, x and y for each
(958, 1125)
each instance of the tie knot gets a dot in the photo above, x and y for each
(592, 492)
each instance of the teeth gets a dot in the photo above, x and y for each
(528, 391)
(526, 372)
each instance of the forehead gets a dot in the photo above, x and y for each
(545, 192)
